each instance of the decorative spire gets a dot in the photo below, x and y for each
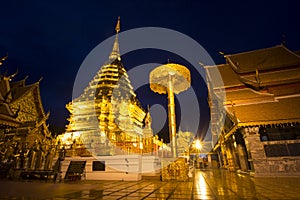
(115, 53)
(118, 26)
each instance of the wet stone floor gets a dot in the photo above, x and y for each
(209, 184)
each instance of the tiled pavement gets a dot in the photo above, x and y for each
(210, 184)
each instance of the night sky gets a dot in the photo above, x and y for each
(50, 39)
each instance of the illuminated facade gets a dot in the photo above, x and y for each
(21, 110)
(24, 135)
(107, 119)
(262, 121)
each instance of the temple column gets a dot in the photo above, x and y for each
(255, 149)
(209, 164)
(242, 158)
(230, 154)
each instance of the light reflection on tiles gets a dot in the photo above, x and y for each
(209, 184)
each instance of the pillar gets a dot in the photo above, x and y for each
(209, 161)
(255, 150)
(172, 116)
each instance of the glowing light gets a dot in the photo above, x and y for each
(198, 144)
(141, 145)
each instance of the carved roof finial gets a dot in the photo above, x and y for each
(3, 59)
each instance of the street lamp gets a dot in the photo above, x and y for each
(198, 145)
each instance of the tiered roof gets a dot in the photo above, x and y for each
(97, 106)
(261, 86)
(21, 109)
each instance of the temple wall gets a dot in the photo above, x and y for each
(269, 163)
(256, 149)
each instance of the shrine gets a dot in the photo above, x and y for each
(26, 142)
(107, 118)
(261, 128)
(107, 124)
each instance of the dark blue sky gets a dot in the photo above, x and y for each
(50, 39)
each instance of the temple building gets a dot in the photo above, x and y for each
(107, 118)
(24, 132)
(261, 132)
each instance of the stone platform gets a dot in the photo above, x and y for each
(119, 167)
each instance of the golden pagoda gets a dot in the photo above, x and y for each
(107, 118)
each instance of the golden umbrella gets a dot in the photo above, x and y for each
(169, 79)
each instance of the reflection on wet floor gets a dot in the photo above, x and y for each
(135, 190)
(210, 184)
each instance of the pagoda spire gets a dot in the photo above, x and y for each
(115, 53)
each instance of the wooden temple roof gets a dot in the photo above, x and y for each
(18, 92)
(278, 111)
(8, 121)
(225, 72)
(7, 117)
(11, 92)
(263, 59)
(261, 86)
